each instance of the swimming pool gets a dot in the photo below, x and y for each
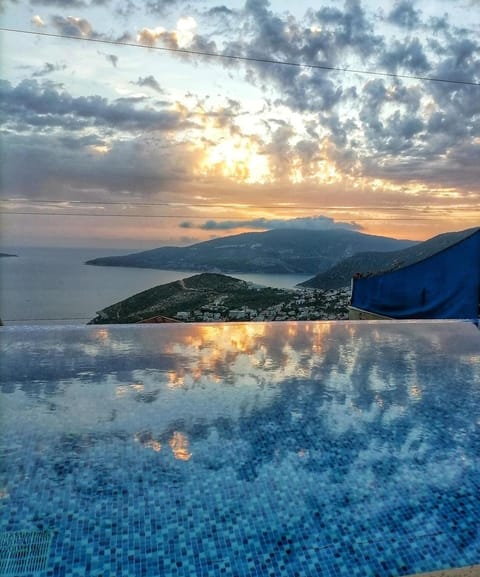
(282, 449)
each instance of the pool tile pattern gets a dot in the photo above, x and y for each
(295, 451)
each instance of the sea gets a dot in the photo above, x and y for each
(49, 285)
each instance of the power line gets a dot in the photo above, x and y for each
(97, 203)
(244, 58)
(97, 215)
(173, 205)
(101, 214)
(130, 204)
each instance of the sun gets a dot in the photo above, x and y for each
(237, 158)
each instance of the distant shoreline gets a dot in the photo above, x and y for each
(52, 285)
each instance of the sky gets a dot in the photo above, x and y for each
(133, 135)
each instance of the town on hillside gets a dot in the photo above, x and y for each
(211, 297)
(306, 305)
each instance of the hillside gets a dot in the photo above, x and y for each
(214, 297)
(340, 275)
(274, 251)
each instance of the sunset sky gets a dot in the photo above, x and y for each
(109, 145)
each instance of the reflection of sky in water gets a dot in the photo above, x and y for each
(332, 433)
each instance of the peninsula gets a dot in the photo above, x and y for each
(211, 297)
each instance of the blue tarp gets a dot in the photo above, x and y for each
(443, 286)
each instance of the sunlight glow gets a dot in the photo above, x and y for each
(185, 31)
(237, 158)
(99, 149)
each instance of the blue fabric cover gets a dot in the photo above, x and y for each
(443, 286)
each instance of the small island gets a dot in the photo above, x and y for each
(210, 297)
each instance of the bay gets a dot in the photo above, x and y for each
(54, 286)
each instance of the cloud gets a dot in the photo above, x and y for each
(150, 82)
(407, 55)
(72, 26)
(70, 3)
(160, 6)
(150, 37)
(81, 27)
(357, 132)
(89, 167)
(80, 142)
(3, 4)
(48, 68)
(33, 104)
(348, 30)
(181, 37)
(322, 139)
(38, 21)
(390, 131)
(60, 3)
(303, 223)
(221, 11)
(112, 58)
(403, 14)
(133, 99)
(325, 37)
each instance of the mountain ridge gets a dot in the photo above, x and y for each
(340, 274)
(278, 251)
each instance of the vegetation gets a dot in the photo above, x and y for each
(376, 262)
(274, 251)
(215, 297)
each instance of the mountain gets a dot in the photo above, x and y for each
(275, 251)
(340, 274)
(214, 297)
(170, 298)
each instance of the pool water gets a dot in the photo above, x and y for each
(282, 449)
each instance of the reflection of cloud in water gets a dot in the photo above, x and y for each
(250, 353)
(344, 377)
(146, 439)
(179, 445)
(381, 420)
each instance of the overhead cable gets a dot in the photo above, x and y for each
(230, 206)
(190, 217)
(244, 58)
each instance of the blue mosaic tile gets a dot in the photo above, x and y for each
(350, 449)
